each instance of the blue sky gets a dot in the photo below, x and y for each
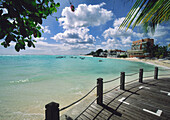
(93, 25)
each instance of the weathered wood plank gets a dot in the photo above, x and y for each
(149, 100)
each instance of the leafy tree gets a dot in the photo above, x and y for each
(91, 53)
(162, 50)
(150, 49)
(99, 51)
(106, 51)
(122, 56)
(148, 12)
(156, 50)
(23, 20)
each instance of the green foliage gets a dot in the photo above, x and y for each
(147, 12)
(122, 56)
(96, 53)
(91, 53)
(23, 21)
(156, 50)
(161, 56)
(99, 51)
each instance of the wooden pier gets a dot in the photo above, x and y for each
(149, 100)
(138, 99)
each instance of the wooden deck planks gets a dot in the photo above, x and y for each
(135, 103)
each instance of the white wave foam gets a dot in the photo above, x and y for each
(79, 93)
(76, 88)
(20, 81)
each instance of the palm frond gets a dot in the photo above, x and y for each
(148, 13)
(132, 11)
(136, 14)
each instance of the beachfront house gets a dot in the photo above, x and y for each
(139, 48)
(116, 53)
(103, 54)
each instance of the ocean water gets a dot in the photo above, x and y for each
(29, 82)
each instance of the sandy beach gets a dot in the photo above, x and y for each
(160, 63)
(157, 62)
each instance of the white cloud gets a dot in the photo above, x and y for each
(61, 49)
(82, 46)
(118, 22)
(104, 43)
(75, 36)
(45, 29)
(85, 16)
(161, 34)
(126, 40)
(97, 37)
(160, 31)
(41, 48)
(114, 32)
(39, 39)
(113, 44)
(167, 39)
(119, 39)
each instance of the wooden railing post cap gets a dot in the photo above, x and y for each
(100, 79)
(52, 104)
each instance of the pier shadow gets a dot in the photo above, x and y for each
(129, 90)
(119, 105)
(111, 110)
(150, 84)
(132, 92)
(111, 105)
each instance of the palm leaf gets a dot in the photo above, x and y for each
(132, 11)
(148, 6)
(160, 14)
(136, 14)
(150, 13)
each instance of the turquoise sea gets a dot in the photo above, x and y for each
(29, 82)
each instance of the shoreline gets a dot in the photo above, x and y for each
(160, 63)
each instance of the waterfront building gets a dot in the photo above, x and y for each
(139, 48)
(115, 53)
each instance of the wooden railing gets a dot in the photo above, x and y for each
(52, 111)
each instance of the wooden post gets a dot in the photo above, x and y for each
(52, 111)
(100, 91)
(156, 73)
(122, 80)
(140, 75)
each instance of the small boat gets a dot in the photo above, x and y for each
(61, 57)
(73, 57)
(100, 60)
(82, 58)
